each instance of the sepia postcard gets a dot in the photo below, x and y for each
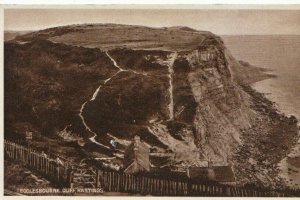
(183, 101)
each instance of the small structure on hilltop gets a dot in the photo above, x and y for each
(221, 174)
(136, 158)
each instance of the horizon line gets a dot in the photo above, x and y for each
(154, 27)
(222, 34)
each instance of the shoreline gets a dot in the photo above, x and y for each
(264, 87)
(268, 143)
(287, 171)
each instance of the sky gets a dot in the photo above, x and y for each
(221, 21)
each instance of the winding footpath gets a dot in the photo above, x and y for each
(93, 138)
(124, 70)
(120, 69)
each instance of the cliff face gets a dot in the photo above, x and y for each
(179, 89)
(218, 103)
(186, 100)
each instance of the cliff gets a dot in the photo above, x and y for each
(178, 88)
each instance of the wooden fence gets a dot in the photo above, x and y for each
(53, 169)
(120, 182)
(75, 176)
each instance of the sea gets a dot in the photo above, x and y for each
(281, 55)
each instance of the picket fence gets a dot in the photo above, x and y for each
(48, 167)
(72, 175)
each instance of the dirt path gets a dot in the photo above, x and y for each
(96, 93)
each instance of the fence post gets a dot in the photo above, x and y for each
(118, 182)
(104, 181)
(70, 177)
(125, 183)
(155, 186)
(133, 183)
(147, 185)
(164, 187)
(30, 157)
(227, 192)
(38, 161)
(128, 182)
(150, 185)
(42, 163)
(17, 151)
(20, 153)
(189, 188)
(115, 181)
(27, 155)
(137, 184)
(45, 165)
(34, 159)
(11, 151)
(97, 178)
(8, 149)
(112, 181)
(14, 151)
(161, 182)
(57, 171)
(24, 154)
(172, 188)
(122, 182)
(109, 181)
(142, 178)
(167, 187)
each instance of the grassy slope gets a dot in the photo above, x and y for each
(10, 35)
(109, 36)
(46, 83)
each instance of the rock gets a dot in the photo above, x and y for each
(252, 161)
(27, 172)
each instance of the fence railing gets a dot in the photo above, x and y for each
(111, 181)
(120, 182)
(52, 169)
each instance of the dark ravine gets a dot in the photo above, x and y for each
(179, 89)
